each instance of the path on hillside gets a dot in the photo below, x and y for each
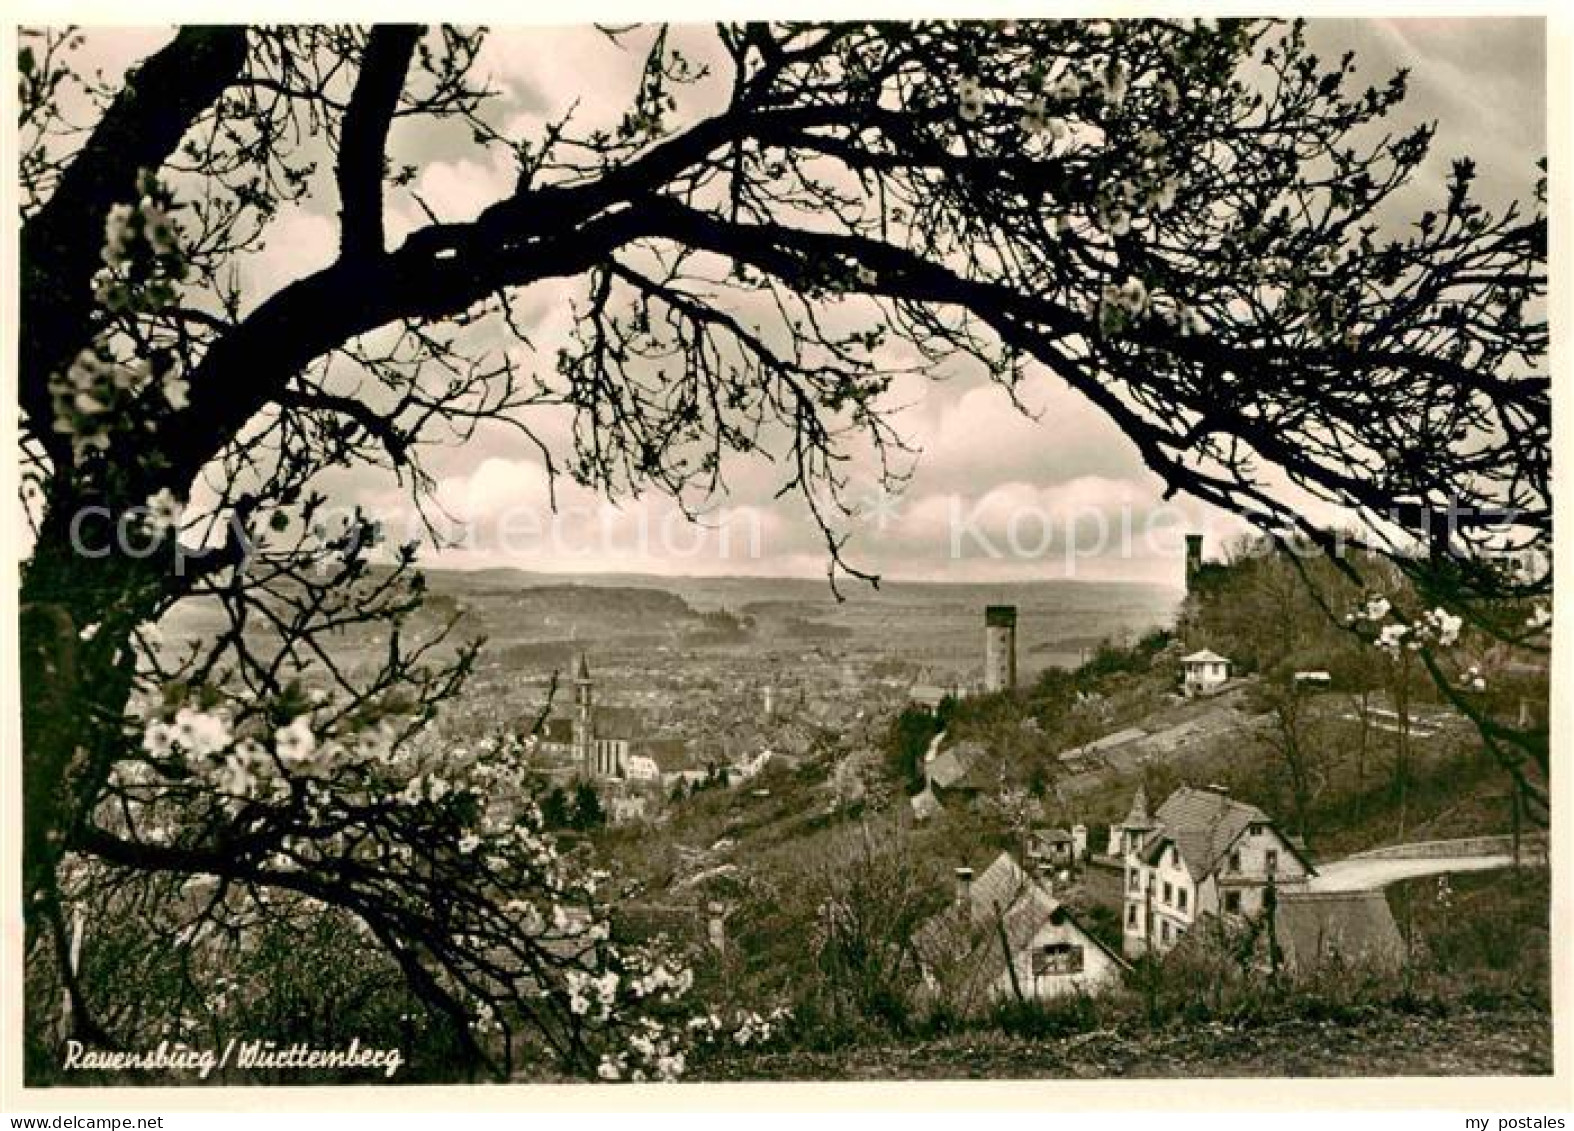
(1364, 874)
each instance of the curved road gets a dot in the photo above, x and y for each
(1357, 874)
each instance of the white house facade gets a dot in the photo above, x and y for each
(1204, 672)
(1202, 854)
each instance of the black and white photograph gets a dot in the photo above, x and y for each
(664, 551)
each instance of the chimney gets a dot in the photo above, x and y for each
(964, 885)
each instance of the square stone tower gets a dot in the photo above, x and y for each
(1000, 647)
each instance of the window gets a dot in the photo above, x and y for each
(1273, 860)
(1133, 880)
(1235, 860)
(1131, 914)
(1169, 892)
(1164, 930)
(1056, 959)
(1232, 902)
(1180, 894)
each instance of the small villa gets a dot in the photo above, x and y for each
(1204, 672)
(1201, 854)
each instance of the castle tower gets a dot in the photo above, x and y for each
(1000, 647)
(1193, 560)
(584, 719)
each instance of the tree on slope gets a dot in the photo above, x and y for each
(1189, 224)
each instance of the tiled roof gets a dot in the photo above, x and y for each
(1108, 742)
(948, 769)
(1001, 887)
(668, 753)
(1352, 925)
(1204, 657)
(1202, 824)
(971, 931)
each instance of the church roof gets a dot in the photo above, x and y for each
(582, 674)
(557, 729)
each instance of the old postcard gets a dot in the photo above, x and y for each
(833, 551)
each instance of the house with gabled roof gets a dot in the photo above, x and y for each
(1005, 935)
(1205, 854)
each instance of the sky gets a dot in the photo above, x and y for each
(995, 495)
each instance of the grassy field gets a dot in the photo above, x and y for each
(1505, 1041)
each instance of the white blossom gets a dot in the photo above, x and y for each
(164, 509)
(117, 234)
(201, 733)
(295, 743)
(1392, 636)
(158, 739)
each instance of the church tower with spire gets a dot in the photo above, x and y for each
(584, 718)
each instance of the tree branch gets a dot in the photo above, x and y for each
(364, 135)
(61, 242)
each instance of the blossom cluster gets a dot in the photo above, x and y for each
(746, 1029)
(653, 1052)
(142, 253)
(91, 397)
(1110, 85)
(1122, 304)
(1435, 628)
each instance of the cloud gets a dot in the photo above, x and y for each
(1006, 473)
